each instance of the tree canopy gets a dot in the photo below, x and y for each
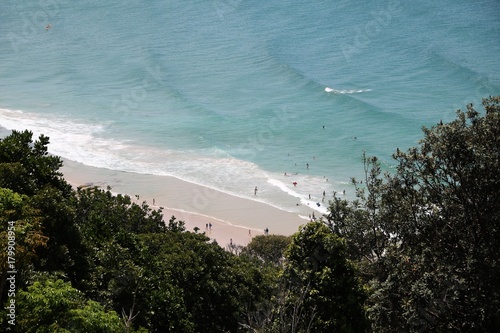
(323, 293)
(427, 235)
(54, 306)
(26, 166)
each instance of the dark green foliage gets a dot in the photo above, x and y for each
(323, 293)
(169, 279)
(176, 226)
(257, 285)
(65, 250)
(116, 252)
(103, 216)
(110, 226)
(192, 285)
(54, 306)
(428, 236)
(26, 167)
(269, 248)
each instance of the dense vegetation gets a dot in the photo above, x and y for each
(416, 251)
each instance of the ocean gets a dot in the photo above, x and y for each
(234, 94)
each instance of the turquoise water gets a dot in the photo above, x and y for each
(232, 94)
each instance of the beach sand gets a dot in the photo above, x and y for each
(232, 218)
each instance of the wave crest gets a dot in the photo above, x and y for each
(346, 91)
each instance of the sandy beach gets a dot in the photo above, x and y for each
(232, 218)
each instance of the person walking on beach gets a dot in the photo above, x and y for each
(255, 191)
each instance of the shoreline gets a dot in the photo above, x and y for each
(234, 219)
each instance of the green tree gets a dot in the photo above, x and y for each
(26, 167)
(65, 250)
(262, 260)
(188, 285)
(103, 216)
(55, 306)
(322, 292)
(359, 221)
(439, 217)
(269, 249)
(110, 225)
(257, 285)
(116, 252)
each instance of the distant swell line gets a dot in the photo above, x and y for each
(346, 91)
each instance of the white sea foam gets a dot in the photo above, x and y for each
(346, 91)
(74, 140)
(213, 168)
(306, 185)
